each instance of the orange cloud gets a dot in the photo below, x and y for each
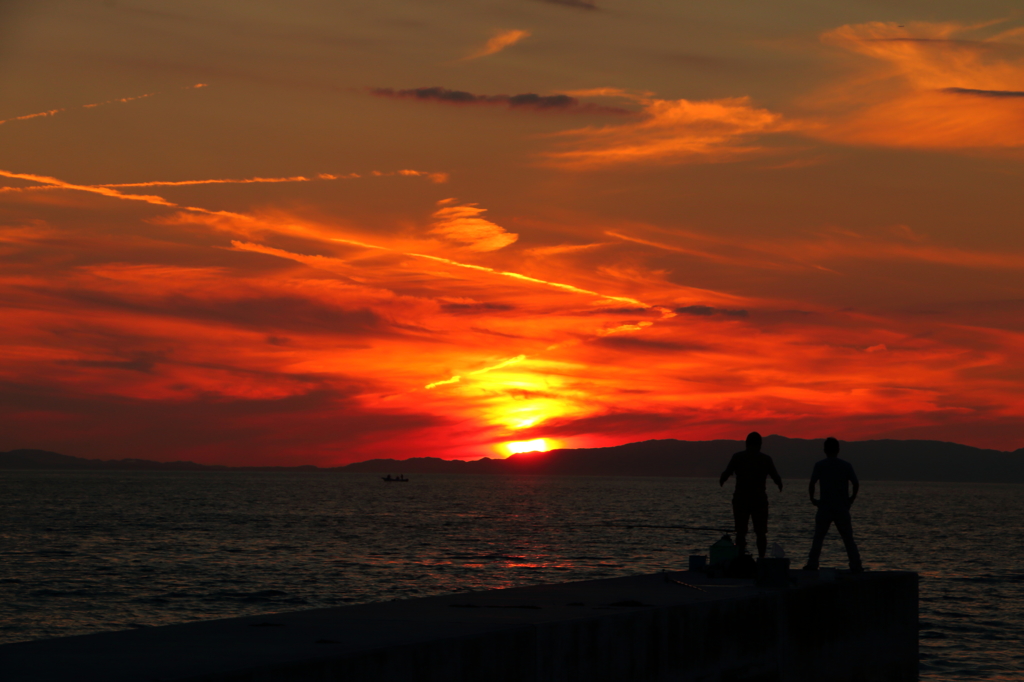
(119, 100)
(456, 379)
(104, 191)
(828, 246)
(333, 264)
(831, 246)
(439, 178)
(672, 131)
(463, 224)
(54, 183)
(285, 349)
(499, 42)
(328, 326)
(928, 86)
(563, 248)
(535, 280)
(218, 181)
(53, 112)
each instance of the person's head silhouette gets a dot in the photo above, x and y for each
(753, 442)
(831, 447)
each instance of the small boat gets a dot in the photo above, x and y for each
(399, 479)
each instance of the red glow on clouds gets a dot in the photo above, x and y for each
(843, 260)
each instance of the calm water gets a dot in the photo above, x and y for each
(86, 552)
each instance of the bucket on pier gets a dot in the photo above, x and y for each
(724, 550)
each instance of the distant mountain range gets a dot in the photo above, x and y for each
(879, 460)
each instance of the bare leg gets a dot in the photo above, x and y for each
(762, 544)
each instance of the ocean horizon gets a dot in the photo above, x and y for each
(101, 551)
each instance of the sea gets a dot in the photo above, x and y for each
(84, 552)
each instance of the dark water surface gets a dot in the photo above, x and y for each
(92, 551)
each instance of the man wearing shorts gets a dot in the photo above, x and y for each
(834, 475)
(750, 501)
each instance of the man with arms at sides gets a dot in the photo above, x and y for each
(750, 501)
(834, 506)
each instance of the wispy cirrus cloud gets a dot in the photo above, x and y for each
(213, 181)
(929, 85)
(338, 265)
(528, 101)
(498, 42)
(48, 183)
(999, 94)
(670, 131)
(433, 176)
(483, 370)
(120, 100)
(508, 354)
(26, 117)
(564, 249)
(131, 319)
(177, 183)
(704, 310)
(94, 189)
(829, 247)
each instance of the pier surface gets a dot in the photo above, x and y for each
(667, 626)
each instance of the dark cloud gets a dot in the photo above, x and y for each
(324, 426)
(543, 102)
(578, 4)
(635, 344)
(470, 308)
(937, 41)
(264, 313)
(708, 310)
(636, 312)
(143, 362)
(293, 313)
(611, 423)
(985, 93)
(524, 101)
(622, 311)
(503, 335)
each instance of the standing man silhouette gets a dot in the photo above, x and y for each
(834, 506)
(750, 501)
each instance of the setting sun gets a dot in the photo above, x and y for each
(442, 264)
(535, 445)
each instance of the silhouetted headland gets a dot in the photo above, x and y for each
(876, 460)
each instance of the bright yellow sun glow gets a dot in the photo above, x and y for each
(535, 445)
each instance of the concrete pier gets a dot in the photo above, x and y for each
(670, 626)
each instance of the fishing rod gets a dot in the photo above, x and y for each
(781, 536)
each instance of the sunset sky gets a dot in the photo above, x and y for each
(274, 233)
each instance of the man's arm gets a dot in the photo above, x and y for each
(729, 471)
(856, 484)
(810, 487)
(774, 473)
